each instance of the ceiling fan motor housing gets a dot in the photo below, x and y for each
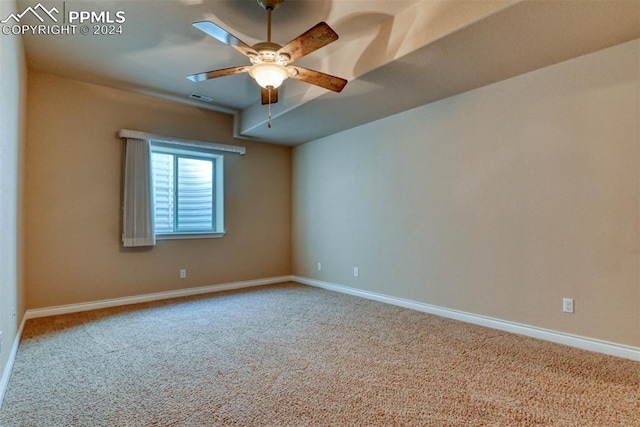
(267, 50)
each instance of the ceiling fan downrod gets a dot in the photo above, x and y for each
(269, 6)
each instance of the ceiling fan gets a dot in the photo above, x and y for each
(271, 62)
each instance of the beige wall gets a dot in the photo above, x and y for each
(13, 77)
(72, 199)
(498, 202)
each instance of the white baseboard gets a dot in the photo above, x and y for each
(6, 373)
(584, 343)
(115, 302)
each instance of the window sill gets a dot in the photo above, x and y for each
(180, 236)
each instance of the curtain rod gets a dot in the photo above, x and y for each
(126, 133)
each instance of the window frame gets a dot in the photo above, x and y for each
(191, 152)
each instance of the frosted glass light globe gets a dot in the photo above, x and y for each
(268, 74)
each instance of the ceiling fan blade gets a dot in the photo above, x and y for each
(265, 96)
(225, 37)
(201, 77)
(313, 39)
(317, 78)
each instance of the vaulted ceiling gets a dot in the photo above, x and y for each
(396, 54)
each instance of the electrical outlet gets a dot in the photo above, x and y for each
(319, 266)
(567, 305)
(356, 272)
(183, 274)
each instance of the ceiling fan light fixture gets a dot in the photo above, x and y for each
(271, 61)
(268, 74)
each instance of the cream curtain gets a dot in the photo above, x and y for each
(137, 210)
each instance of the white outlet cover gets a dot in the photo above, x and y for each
(567, 305)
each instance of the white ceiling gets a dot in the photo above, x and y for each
(396, 54)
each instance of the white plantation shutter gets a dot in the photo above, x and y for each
(185, 189)
(163, 190)
(195, 195)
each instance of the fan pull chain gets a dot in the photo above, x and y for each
(269, 121)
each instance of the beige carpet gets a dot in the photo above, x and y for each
(291, 355)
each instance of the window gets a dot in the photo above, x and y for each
(187, 191)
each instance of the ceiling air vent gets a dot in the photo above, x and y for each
(199, 97)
